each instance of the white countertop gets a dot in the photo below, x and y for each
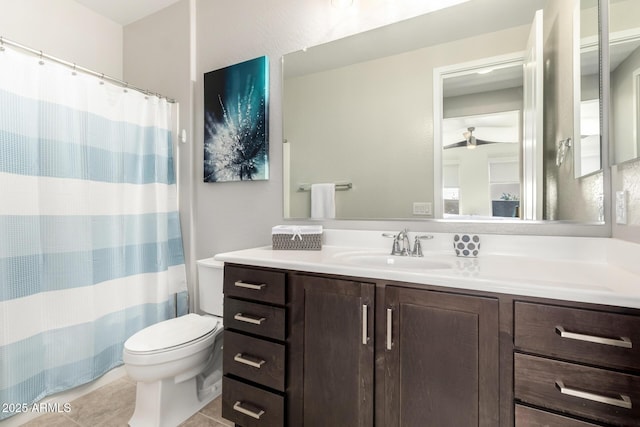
(592, 270)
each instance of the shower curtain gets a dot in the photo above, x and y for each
(90, 242)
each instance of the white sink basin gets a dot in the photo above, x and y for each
(382, 260)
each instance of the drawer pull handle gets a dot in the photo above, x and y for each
(241, 358)
(389, 328)
(241, 284)
(623, 401)
(238, 407)
(365, 332)
(623, 342)
(249, 319)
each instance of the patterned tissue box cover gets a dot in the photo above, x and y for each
(296, 239)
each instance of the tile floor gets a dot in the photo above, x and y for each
(112, 405)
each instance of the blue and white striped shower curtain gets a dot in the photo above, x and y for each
(90, 242)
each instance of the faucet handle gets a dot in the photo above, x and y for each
(417, 246)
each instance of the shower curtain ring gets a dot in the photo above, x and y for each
(126, 85)
(1, 44)
(41, 62)
(102, 79)
(73, 72)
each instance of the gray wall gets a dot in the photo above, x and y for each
(64, 29)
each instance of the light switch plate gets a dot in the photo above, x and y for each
(621, 207)
(422, 208)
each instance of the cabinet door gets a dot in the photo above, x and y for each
(337, 350)
(441, 359)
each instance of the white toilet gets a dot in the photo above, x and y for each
(177, 363)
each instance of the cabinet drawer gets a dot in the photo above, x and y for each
(250, 406)
(529, 417)
(258, 319)
(596, 394)
(254, 359)
(606, 339)
(254, 284)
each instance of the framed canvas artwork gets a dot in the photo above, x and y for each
(236, 137)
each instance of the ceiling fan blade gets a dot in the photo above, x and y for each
(484, 141)
(455, 144)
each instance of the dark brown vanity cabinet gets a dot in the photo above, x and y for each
(437, 354)
(307, 349)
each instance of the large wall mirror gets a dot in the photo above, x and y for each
(486, 110)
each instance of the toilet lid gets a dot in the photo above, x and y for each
(171, 333)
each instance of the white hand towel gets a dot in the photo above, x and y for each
(323, 201)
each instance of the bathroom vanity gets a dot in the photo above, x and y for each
(335, 337)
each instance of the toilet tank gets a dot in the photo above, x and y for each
(210, 281)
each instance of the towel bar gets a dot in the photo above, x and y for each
(342, 186)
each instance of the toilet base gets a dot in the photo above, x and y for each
(167, 404)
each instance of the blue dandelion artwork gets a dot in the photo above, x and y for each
(236, 138)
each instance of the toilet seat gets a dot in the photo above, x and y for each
(171, 334)
(171, 339)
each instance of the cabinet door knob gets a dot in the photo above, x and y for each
(623, 402)
(249, 319)
(238, 407)
(253, 286)
(246, 360)
(623, 342)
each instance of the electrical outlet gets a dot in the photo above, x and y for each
(621, 207)
(422, 208)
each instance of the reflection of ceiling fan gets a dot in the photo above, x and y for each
(470, 141)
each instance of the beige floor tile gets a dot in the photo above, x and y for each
(113, 401)
(120, 418)
(214, 410)
(126, 377)
(112, 406)
(51, 420)
(200, 420)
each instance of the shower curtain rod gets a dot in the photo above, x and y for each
(75, 67)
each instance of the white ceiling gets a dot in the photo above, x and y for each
(126, 11)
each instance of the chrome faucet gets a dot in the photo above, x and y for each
(402, 245)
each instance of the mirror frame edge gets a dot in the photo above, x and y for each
(606, 148)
